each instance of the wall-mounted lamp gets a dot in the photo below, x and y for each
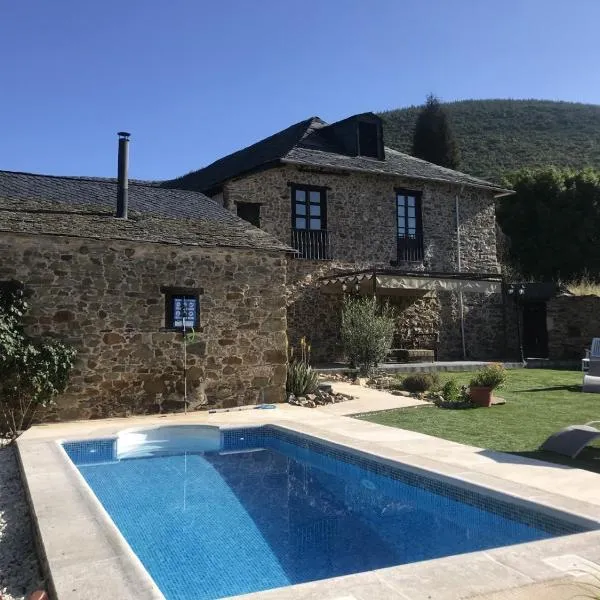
(517, 291)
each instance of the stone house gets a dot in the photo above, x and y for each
(120, 289)
(367, 219)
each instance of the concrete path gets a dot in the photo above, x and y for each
(366, 400)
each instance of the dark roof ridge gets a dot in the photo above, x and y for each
(84, 178)
(266, 151)
(313, 142)
(269, 138)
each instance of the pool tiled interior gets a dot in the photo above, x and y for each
(86, 556)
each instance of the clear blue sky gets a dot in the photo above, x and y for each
(193, 80)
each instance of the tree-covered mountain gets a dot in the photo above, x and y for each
(498, 136)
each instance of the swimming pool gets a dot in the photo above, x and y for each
(213, 513)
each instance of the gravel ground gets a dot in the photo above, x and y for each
(19, 569)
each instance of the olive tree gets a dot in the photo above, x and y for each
(367, 332)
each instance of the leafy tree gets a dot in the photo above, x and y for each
(32, 372)
(433, 139)
(553, 223)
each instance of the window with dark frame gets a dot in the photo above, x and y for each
(249, 211)
(182, 308)
(368, 139)
(309, 208)
(409, 225)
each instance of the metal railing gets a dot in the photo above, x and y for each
(312, 244)
(410, 248)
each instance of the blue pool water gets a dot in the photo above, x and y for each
(270, 509)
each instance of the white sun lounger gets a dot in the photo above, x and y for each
(591, 377)
(571, 440)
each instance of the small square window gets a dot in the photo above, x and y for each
(249, 212)
(185, 310)
(182, 308)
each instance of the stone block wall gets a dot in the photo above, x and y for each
(361, 221)
(104, 297)
(361, 216)
(572, 322)
(311, 313)
(317, 316)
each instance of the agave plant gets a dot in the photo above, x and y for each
(301, 378)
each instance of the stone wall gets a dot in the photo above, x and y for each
(485, 326)
(105, 299)
(572, 323)
(311, 313)
(361, 216)
(361, 221)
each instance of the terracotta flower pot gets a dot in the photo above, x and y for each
(482, 396)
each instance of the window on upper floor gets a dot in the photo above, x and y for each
(368, 139)
(309, 208)
(249, 211)
(309, 222)
(409, 226)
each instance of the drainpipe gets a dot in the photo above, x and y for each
(461, 308)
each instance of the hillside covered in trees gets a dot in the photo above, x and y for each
(498, 136)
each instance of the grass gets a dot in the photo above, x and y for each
(583, 287)
(538, 403)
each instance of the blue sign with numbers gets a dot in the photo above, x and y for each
(185, 312)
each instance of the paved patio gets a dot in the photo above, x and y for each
(88, 557)
(365, 400)
(422, 367)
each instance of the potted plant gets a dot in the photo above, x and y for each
(485, 381)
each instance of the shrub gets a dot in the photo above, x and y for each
(301, 378)
(451, 392)
(453, 397)
(421, 382)
(492, 376)
(367, 332)
(32, 371)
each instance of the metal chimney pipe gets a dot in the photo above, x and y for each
(123, 176)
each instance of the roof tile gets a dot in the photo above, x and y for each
(85, 207)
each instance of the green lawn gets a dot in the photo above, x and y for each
(538, 403)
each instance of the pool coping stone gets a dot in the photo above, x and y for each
(84, 555)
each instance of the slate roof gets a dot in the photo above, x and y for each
(313, 143)
(85, 207)
(395, 163)
(265, 153)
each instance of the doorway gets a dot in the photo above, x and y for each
(535, 332)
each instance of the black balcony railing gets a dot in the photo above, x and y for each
(312, 244)
(410, 248)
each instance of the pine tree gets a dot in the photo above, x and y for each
(433, 139)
